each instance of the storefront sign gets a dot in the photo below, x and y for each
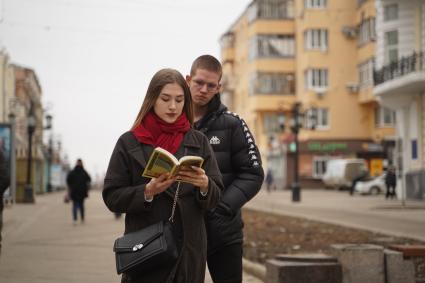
(328, 146)
(372, 147)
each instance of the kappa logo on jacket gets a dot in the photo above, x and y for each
(215, 140)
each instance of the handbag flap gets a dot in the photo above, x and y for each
(136, 241)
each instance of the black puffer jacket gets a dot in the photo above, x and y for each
(240, 165)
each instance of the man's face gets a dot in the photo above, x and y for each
(203, 86)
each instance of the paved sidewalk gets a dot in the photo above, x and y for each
(41, 245)
(373, 213)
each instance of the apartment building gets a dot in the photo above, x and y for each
(400, 84)
(319, 53)
(28, 96)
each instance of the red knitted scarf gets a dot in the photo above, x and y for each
(154, 131)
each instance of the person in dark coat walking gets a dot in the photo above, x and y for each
(165, 120)
(240, 164)
(78, 181)
(390, 182)
(4, 184)
(270, 181)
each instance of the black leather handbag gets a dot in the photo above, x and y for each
(140, 251)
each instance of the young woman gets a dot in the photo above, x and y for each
(165, 120)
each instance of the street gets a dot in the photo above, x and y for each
(368, 212)
(41, 245)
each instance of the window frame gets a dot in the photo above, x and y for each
(381, 114)
(315, 4)
(316, 79)
(272, 83)
(389, 48)
(316, 39)
(317, 159)
(260, 45)
(388, 16)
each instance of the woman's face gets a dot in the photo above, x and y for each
(170, 102)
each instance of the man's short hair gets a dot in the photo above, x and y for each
(206, 62)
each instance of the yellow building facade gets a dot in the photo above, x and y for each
(319, 53)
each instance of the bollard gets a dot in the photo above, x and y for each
(361, 263)
(398, 269)
(306, 268)
(415, 254)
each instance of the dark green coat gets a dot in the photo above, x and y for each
(124, 192)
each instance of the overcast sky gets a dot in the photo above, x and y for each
(95, 58)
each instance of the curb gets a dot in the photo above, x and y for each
(255, 269)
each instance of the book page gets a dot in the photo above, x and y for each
(159, 163)
(191, 160)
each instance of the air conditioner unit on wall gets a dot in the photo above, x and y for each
(350, 32)
(353, 87)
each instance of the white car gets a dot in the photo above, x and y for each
(371, 187)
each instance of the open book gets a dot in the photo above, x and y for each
(162, 161)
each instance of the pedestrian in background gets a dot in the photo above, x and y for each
(270, 181)
(240, 165)
(165, 120)
(390, 182)
(4, 184)
(78, 181)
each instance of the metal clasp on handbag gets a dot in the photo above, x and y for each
(137, 247)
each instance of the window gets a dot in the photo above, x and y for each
(365, 71)
(391, 46)
(271, 123)
(367, 31)
(384, 117)
(319, 166)
(316, 79)
(271, 9)
(316, 39)
(311, 4)
(318, 117)
(360, 2)
(391, 12)
(414, 149)
(227, 40)
(322, 115)
(266, 46)
(272, 83)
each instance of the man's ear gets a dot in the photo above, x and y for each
(219, 87)
(188, 79)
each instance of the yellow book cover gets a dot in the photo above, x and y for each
(162, 161)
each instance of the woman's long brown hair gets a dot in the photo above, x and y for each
(158, 81)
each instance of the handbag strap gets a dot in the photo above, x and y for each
(176, 196)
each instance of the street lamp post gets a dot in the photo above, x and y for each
(12, 118)
(297, 121)
(31, 123)
(296, 192)
(49, 153)
(49, 165)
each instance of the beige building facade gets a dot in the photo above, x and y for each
(320, 53)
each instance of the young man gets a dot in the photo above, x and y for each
(240, 164)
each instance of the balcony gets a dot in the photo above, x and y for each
(405, 76)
